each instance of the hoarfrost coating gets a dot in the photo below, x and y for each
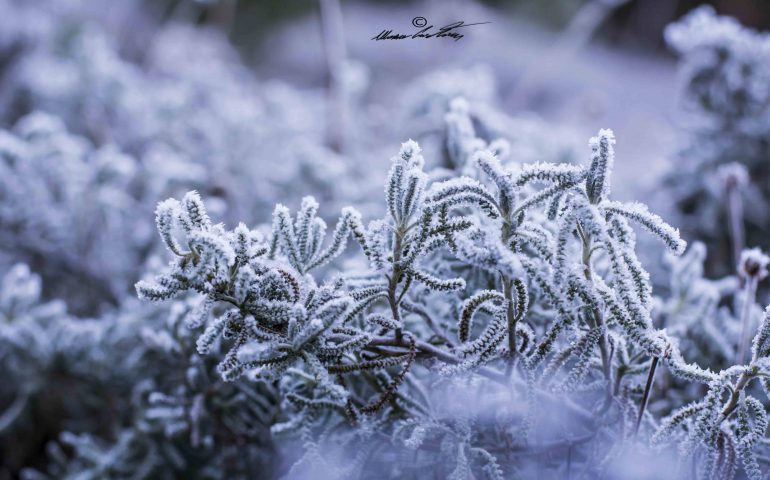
(476, 303)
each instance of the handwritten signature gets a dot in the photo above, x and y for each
(427, 31)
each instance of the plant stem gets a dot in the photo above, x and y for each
(438, 333)
(735, 215)
(510, 314)
(395, 277)
(619, 378)
(743, 380)
(428, 350)
(511, 317)
(646, 395)
(598, 319)
(749, 295)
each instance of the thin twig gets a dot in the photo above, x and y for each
(598, 318)
(426, 349)
(646, 395)
(735, 214)
(334, 49)
(732, 403)
(749, 295)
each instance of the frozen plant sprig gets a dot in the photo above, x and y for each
(600, 224)
(268, 303)
(349, 348)
(718, 427)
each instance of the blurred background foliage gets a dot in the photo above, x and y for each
(139, 106)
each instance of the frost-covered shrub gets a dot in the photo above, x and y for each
(124, 395)
(721, 176)
(179, 419)
(489, 319)
(191, 109)
(188, 115)
(59, 372)
(514, 290)
(697, 310)
(191, 115)
(67, 207)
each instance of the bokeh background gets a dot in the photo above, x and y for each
(107, 108)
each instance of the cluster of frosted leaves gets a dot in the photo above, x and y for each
(56, 366)
(183, 416)
(171, 115)
(187, 129)
(694, 310)
(66, 201)
(628, 290)
(577, 200)
(170, 414)
(725, 64)
(179, 129)
(517, 225)
(724, 431)
(275, 317)
(724, 74)
(721, 433)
